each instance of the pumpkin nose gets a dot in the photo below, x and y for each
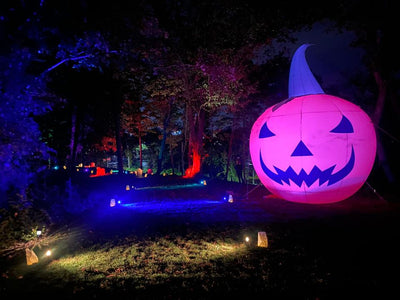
(301, 150)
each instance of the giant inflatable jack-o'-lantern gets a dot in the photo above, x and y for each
(313, 147)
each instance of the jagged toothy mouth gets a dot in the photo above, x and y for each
(316, 173)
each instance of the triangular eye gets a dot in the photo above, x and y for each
(343, 127)
(265, 132)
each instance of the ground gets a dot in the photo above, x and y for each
(342, 250)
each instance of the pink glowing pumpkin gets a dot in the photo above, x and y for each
(312, 148)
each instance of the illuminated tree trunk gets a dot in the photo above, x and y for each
(195, 149)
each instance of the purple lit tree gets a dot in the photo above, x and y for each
(22, 153)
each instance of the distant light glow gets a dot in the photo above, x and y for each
(176, 132)
(247, 239)
(48, 252)
(38, 232)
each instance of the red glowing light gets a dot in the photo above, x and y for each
(193, 169)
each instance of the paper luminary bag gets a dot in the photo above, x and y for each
(31, 257)
(313, 147)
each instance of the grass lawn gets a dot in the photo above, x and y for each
(189, 243)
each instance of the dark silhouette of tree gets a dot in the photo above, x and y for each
(375, 28)
(166, 93)
(137, 121)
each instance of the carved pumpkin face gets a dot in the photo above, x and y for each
(315, 148)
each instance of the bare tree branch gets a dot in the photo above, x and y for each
(65, 60)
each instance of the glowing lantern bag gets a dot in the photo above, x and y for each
(313, 147)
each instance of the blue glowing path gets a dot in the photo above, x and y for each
(171, 205)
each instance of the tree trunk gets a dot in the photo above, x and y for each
(196, 130)
(162, 148)
(377, 116)
(140, 151)
(129, 157)
(73, 140)
(118, 142)
(231, 138)
(182, 157)
(166, 120)
(228, 160)
(185, 140)
(172, 159)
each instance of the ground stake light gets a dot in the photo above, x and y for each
(313, 147)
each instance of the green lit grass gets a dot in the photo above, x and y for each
(199, 261)
(147, 259)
